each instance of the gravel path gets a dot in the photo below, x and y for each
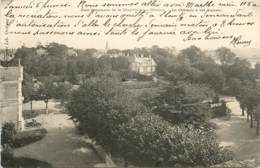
(237, 134)
(62, 147)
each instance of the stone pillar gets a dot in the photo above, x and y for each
(20, 122)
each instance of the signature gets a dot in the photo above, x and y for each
(238, 41)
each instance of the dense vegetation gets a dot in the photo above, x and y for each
(108, 114)
(11, 139)
(167, 128)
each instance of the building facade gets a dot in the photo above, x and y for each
(11, 98)
(144, 65)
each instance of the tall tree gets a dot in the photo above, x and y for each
(251, 101)
(72, 72)
(46, 92)
(214, 77)
(225, 55)
(193, 54)
(257, 118)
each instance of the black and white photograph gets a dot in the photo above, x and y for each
(131, 83)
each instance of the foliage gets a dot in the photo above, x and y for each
(7, 156)
(221, 110)
(11, 139)
(184, 102)
(71, 72)
(257, 113)
(33, 124)
(257, 70)
(193, 54)
(62, 91)
(147, 139)
(28, 137)
(257, 118)
(183, 72)
(110, 116)
(225, 55)
(240, 69)
(7, 134)
(214, 77)
(27, 88)
(235, 85)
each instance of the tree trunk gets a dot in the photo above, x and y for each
(125, 163)
(243, 111)
(257, 127)
(47, 109)
(31, 105)
(252, 122)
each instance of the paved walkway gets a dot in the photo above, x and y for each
(62, 147)
(237, 134)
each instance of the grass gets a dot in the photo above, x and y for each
(137, 88)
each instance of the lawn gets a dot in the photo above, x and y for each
(138, 88)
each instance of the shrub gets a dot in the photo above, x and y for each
(7, 155)
(33, 123)
(148, 139)
(8, 132)
(27, 137)
(221, 110)
(122, 125)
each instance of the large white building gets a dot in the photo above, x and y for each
(144, 65)
(11, 98)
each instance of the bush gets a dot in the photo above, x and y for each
(7, 155)
(27, 137)
(122, 125)
(8, 132)
(33, 124)
(221, 110)
(148, 139)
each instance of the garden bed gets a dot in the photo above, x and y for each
(28, 137)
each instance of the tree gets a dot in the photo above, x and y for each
(31, 90)
(120, 63)
(183, 72)
(257, 118)
(87, 65)
(225, 55)
(109, 115)
(192, 53)
(184, 102)
(7, 134)
(105, 62)
(46, 92)
(257, 70)
(7, 142)
(95, 102)
(214, 77)
(71, 72)
(62, 91)
(251, 101)
(235, 86)
(240, 69)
